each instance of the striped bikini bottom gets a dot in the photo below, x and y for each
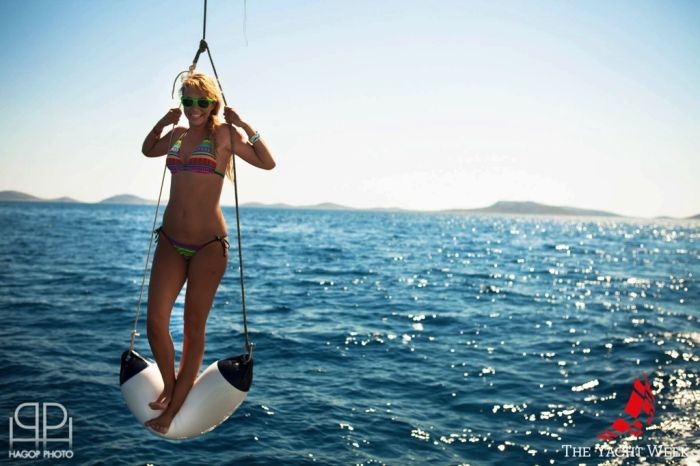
(187, 251)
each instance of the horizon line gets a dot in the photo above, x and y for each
(528, 208)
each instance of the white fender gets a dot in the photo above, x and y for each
(215, 395)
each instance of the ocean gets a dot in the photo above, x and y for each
(380, 338)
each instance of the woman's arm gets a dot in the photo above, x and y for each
(154, 145)
(257, 153)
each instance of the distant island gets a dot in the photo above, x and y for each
(126, 199)
(499, 208)
(16, 196)
(533, 208)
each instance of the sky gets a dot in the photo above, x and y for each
(416, 104)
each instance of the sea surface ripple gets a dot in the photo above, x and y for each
(380, 337)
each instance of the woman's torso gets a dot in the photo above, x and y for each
(193, 213)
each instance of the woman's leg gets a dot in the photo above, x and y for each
(205, 271)
(167, 277)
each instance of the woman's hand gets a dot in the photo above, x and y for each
(232, 118)
(170, 118)
(154, 145)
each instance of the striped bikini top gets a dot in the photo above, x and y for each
(202, 160)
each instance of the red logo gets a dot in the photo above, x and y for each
(641, 402)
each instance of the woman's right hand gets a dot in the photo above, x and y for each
(152, 145)
(170, 118)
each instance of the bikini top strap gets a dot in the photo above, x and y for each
(182, 136)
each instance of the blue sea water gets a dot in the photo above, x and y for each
(380, 338)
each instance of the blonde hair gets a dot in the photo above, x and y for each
(207, 86)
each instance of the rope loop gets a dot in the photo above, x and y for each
(189, 72)
(134, 334)
(203, 47)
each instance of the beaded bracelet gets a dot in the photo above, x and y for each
(254, 138)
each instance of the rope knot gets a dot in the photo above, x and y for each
(134, 334)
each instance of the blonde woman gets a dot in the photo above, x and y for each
(192, 245)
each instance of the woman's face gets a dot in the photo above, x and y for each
(196, 115)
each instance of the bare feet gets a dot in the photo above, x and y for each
(169, 409)
(163, 401)
(161, 424)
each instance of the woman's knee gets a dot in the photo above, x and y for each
(195, 332)
(157, 327)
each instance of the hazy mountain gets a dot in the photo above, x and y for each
(126, 199)
(533, 208)
(63, 199)
(16, 196)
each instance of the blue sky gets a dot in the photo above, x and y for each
(413, 104)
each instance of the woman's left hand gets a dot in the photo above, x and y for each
(232, 118)
(258, 156)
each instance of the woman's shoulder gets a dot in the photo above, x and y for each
(221, 129)
(223, 132)
(222, 135)
(226, 131)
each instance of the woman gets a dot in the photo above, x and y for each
(192, 242)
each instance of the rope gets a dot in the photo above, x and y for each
(204, 23)
(134, 331)
(248, 344)
(204, 46)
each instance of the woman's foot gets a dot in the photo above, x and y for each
(161, 424)
(163, 401)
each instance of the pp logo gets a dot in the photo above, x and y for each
(39, 426)
(641, 401)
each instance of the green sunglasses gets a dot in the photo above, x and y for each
(201, 102)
